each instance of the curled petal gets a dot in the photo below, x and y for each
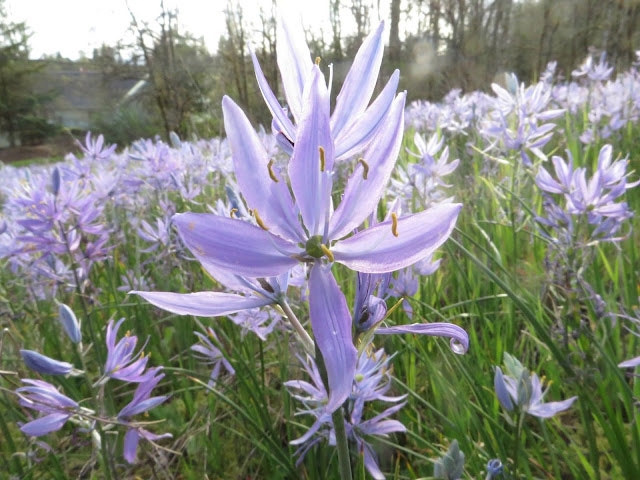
(459, 338)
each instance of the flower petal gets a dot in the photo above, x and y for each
(310, 182)
(294, 62)
(459, 338)
(358, 86)
(378, 250)
(361, 196)
(272, 102)
(633, 362)
(202, 304)
(351, 140)
(331, 324)
(501, 390)
(548, 410)
(131, 445)
(255, 177)
(235, 245)
(43, 425)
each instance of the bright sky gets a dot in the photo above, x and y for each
(72, 26)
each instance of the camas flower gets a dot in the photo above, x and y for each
(45, 398)
(524, 391)
(142, 402)
(211, 355)
(122, 361)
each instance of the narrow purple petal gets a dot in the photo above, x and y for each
(501, 390)
(362, 196)
(311, 184)
(254, 175)
(235, 245)
(43, 425)
(202, 304)
(131, 445)
(378, 250)
(633, 362)
(548, 410)
(358, 86)
(272, 102)
(352, 140)
(331, 324)
(294, 62)
(459, 338)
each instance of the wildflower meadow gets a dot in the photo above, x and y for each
(365, 288)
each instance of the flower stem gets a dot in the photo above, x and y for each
(342, 444)
(304, 337)
(517, 445)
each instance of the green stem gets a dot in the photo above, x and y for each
(342, 444)
(516, 455)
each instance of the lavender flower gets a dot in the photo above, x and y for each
(122, 361)
(141, 403)
(523, 390)
(211, 355)
(45, 398)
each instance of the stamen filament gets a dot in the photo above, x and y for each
(271, 173)
(259, 220)
(327, 252)
(394, 224)
(321, 150)
(365, 168)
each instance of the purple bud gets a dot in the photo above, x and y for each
(70, 323)
(43, 364)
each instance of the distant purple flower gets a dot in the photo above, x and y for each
(142, 402)
(123, 363)
(94, 150)
(524, 391)
(257, 321)
(45, 398)
(406, 285)
(45, 365)
(211, 355)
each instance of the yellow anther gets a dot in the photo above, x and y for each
(128, 333)
(232, 212)
(259, 220)
(394, 224)
(321, 150)
(271, 174)
(317, 60)
(327, 252)
(365, 168)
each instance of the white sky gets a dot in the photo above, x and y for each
(74, 26)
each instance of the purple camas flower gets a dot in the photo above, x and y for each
(371, 382)
(123, 363)
(211, 355)
(142, 402)
(46, 399)
(595, 199)
(523, 390)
